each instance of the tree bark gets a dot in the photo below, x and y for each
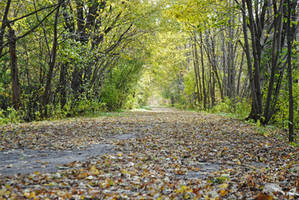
(62, 85)
(291, 7)
(211, 53)
(52, 62)
(15, 84)
(240, 74)
(276, 48)
(196, 69)
(255, 30)
(4, 24)
(203, 73)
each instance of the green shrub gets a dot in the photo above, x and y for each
(10, 116)
(240, 109)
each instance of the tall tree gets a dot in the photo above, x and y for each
(291, 35)
(15, 84)
(52, 62)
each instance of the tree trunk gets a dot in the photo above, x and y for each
(240, 74)
(276, 48)
(14, 69)
(62, 84)
(196, 69)
(224, 66)
(4, 24)
(256, 48)
(213, 96)
(254, 103)
(291, 7)
(211, 53)
(51, 64)
(203, 73)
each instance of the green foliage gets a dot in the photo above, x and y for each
(240, 109)
(10, 116)
(119, 88)
(224, 106)
(281, 115)
(86, 106)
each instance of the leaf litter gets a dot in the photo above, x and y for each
(158, 154)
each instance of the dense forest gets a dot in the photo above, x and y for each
(62, 58)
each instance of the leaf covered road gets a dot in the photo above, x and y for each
(164, 154)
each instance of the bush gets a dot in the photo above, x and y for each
(240, 109)
(10, 116)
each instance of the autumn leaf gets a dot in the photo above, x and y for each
(262, 196)
(222, 192)
(156, 154)
(93, 170)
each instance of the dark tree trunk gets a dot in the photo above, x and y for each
(203, 73)
(291, 103)
(255, 30)
(276, 48)
(211, 53)
(255, 102)
(224, 66)
(62, 85)
(291, 35)
(213, 86)
(14, 69)
(52, 62)
(240, 74)
(4, 24)
(196, 69)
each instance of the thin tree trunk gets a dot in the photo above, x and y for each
(211, 53)
(240, 74)
(224, 66)
(14, 69)
(213, 89)
(51, 64)
(196, 69)
(4, 24)
(203, 73)
(62, 84)
(254, 97)
(276, 48)
(292, 5)
(256, 48)
(291, 103)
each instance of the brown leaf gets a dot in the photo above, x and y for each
(262, 196)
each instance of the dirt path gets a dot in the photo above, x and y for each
(159, 153)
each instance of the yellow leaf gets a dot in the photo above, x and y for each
(222, 192)
(83, 175)
(94, 171)
(30, 195)
(223, 186)
(26, 194)
(120, 154)
(36, 173)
